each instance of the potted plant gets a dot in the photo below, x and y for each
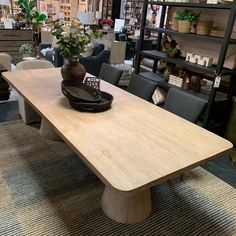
(170, 49)
(33, 18)
(185, 19)
(72, 42)
(173, 52)
(25, 49)
(107, 24)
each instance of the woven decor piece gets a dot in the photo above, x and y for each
(45, 189)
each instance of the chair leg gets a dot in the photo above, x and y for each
(233, 159)
(233, 156)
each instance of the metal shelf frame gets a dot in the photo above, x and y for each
(224, 41)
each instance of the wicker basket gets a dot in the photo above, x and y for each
(184, 26)
(204, 27)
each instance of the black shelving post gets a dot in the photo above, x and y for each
(159, 39)
(221, 59)
(140, 45)
(212, 71)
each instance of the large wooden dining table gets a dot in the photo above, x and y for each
(131, 147)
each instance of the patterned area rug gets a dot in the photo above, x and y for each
(45, 189)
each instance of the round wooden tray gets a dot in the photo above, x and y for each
(103, 105)
(76, 91)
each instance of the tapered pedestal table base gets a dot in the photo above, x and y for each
(125, 207)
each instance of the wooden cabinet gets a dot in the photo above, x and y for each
(223, 42)
(11, 40)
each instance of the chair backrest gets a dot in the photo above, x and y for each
(141, 87)
(34, 64)
(93, 64)
(110, 74)
(122, 37)
(97, 49)
(184, 104)
(5, 60)
(118, 50)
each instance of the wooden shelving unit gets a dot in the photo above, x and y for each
(69, 7)
(107, 9)
(157, 55)
(132, 8)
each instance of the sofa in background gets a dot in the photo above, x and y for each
(52, 55)
(94, 63)
(91, 63)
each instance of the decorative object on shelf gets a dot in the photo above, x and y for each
(186, 83)
(72, 42)
(198, 59)
(212, 1)
(170, 48)
(185, 75)
(168, 70)
(25, 49)
(195, 83)
(206, 85)
(203, 1)
(107, 24)
(173, 52)
(185, 19)
(204, 27)
(176, 81)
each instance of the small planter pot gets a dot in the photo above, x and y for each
(204, 27)
(184, 26)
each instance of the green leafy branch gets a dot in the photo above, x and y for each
(32, 16)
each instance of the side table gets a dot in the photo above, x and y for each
(4, 87)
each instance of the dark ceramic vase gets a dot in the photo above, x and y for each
(73, 70)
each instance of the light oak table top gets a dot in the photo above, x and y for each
(131, 147)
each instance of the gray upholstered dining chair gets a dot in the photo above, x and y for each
(110, 74)
(5, 60)
(141, 87)
(184, 104)
(27, 113)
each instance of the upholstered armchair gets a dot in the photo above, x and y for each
(94, 63)
(27, 113)
(51, 55)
